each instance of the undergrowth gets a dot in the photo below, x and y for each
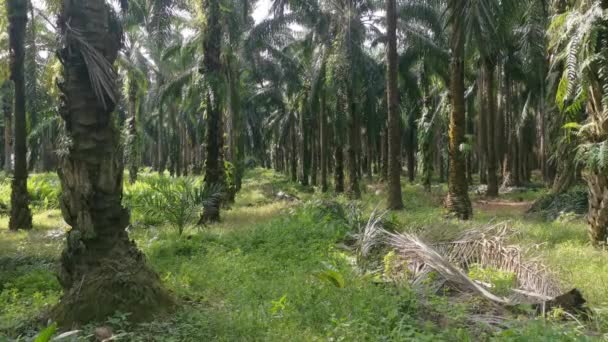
(275, 270)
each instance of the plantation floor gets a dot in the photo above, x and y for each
(274, 270)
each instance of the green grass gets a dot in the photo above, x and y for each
(272, 271)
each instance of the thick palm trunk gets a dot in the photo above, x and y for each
(102, 271)
(395, 199)
(21, 216)
(214, 164)
(598, 206)
(458, 202)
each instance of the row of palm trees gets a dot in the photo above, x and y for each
(464, 87)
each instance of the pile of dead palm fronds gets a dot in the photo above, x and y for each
(436, 265)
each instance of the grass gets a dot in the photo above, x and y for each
(272, 271)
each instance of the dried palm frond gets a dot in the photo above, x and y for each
(370, 234)
(100, 70)
(413, 248)
(486, 247)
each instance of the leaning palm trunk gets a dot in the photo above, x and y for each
(458, 202)
(102, 271)
(21, 216)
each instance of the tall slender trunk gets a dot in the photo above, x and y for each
(339, 170)
(304, 147)
(212, 67)
(102, 270)
(133, 141)
(490, 113)
(395, 198)
(314, 150)
(161, 143)
(7, 111)
(21, 216)
(352, 151)
(32, 80)
(293, 151)
(324, 148)
(384, 154)
(458, 202)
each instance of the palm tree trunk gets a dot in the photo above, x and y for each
(395, 199)
(32, 80)
(133, 155)
(102, 270)
(384, 154)
(293, 151)
(214, 164)
(339, 170)
(489, 112)
(7, 109)
(304, 148)
(324, 148)
(458, 202)
(598, 206)
(314, 150)
(353, 151)
(21, 216)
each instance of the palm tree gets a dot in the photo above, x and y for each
(582, 36)
(395, 200)
(101, 268)
(7, 113)
(458, 202)
(21, 216)
(212, 45)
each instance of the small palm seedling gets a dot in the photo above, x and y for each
(177, 202)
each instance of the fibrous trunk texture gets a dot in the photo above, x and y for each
(21, 216)
(598, 206)
(102, 271)
(395, 199)
(214, 164)
(458, 202)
